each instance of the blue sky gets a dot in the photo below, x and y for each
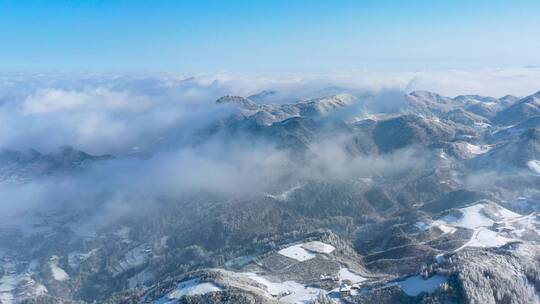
(266, 35)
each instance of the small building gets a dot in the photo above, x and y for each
(344, 290)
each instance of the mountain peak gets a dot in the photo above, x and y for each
(537, 94)
(261, 96)
(424, 94)
(236, 100)
(533, 98)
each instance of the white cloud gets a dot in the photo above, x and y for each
(114, 114)
(56, 100)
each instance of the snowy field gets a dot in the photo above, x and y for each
(415, 285)
(306, 251)
(188, 288)
(58, 273)
(288, 291)
(534, 165)
(492, 225)
(346, 274)
(476, 150)
(297, 252)
(480, 215)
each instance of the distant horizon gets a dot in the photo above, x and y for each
(495, 82)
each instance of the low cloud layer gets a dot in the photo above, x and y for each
(112, 114)
(148, 124)
(123, 186)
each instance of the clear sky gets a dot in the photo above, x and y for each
(193, 36)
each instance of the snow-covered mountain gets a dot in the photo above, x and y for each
(429, 200)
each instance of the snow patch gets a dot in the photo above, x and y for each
(534, 165)
(490, 103)
(346, 274)
(318, 247)
(415, 285)
(492, 225)
(443, 227)
(11, 283)
(297, 252)
(288, 291)
(58, 273)
(76, 258)
(284, 196)
(477, 216)
(133, 258)
(443, 155)
(189, 288)
(306, 251)
(476, 150)
(483, 237)
(482, 125)
(193, 288)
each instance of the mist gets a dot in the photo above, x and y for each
(154, 128)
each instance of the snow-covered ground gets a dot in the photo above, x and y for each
(492, 225)
(489, 103)
(479, 215)
(288, 291)
(476, 150)
(482, 125)
(483, 237)
(294, 292)
(133, 258)
(58, 273)
(12, 282)
(318, 247)
(534, 165)
(193, 287)
(443, 227)
(8, 284)
(306, 251)
(284, 196)
(297, 252)
(346, 274)
(189, 288)
(75, 258)
(415, 285)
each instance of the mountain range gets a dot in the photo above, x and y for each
(421, 199)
